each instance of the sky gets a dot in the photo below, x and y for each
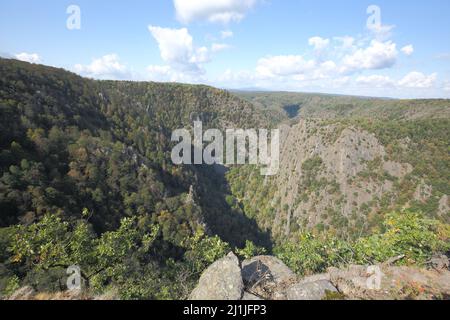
(384, 48)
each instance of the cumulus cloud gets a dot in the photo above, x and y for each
(222, 11)
(106, 67)
(319, 43)
(381, 32)
(168, 74)
(177, 49)
(408, 50)
(379, 55)
(28, 57)
(346, 41)
(375, 81)
(283, 66)
(418, 80)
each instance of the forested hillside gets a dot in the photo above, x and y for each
(86, 179)
(325, 106)
(99, 152)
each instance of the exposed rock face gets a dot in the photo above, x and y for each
(327, 174)
(357, 282)
(440, 262)
(250, 297)
(263, 275)
(316, 290)
(268, 278)
(221, 281)
(257, 268)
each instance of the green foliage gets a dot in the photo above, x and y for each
(406, 234)
(313, 254)
(203, 251)
(12, 285)
(250, 250)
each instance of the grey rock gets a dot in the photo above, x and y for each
(265, 275)
(221, 281)
(395, 283)
(265, 267)
(440, 262)
(316, 277)
(316, 290)
(250, 297)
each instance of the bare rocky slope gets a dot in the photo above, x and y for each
(343, 174)
(267, 278)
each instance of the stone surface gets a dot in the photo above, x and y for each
(258, 268)
(221, 281)
(440, 262)
(316, 290)
(250, 297)
(265, 275)
(395, 283)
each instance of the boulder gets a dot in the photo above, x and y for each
(257, 268)
(265, 275)
(391, 283)
(221, 281)
(440, 262)
(250, 297)
(316, 290)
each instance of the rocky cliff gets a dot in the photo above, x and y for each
(267, 278)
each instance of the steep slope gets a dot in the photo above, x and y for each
(342, 175)
(70, 145)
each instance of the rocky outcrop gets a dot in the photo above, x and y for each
(262, 275)
(316, 290)
(221, 281)
(268, 278)
(392, 283)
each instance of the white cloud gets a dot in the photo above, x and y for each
(346, 41)
(28, 57)
(418, 80)
(376, 81)
(106, 67)
(342, 81)
(319, 43)
(222, 11)
(169, 74)
(178, 51)
(408, 50)
(217, 47)
(381, 32)
(226, 34)
(283, 66)
(238, 79)
(379, 55)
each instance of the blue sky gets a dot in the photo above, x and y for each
(311, 46)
